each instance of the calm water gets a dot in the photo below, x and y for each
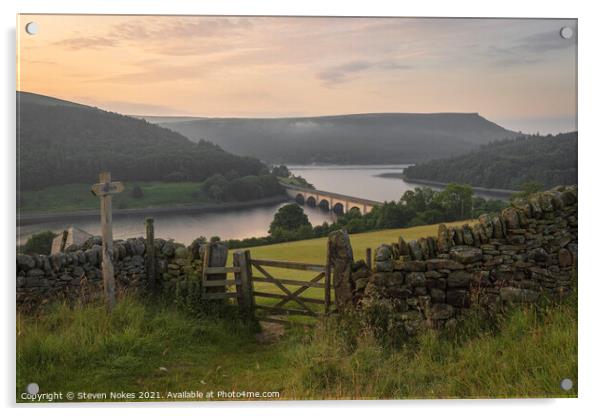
(183, 228)
(359, 181)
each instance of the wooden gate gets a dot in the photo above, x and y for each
(246, 271)
(302, 304)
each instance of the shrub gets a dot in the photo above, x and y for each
(40, 243)
(289, 218)
(137, 192)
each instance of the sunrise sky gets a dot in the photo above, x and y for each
(518, 73)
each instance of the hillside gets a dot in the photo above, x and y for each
(60, 142)
(549, 160)
(344, 139)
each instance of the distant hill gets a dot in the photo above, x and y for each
(30, 98)
(344, 139)
(549, 160)
(61, 142)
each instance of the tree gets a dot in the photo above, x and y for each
(137, 192)
(419, 199)
(392, 215)
(232, 174)
(281, 171)
(456, 201)
(290, 217)
(527, 189)
(246, 188)
(216, 187)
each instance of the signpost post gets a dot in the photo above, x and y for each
(105, 189)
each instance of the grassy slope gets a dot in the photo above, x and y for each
(77, 197)
(83, 349)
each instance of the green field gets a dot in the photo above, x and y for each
(314, 251)
(77, 197)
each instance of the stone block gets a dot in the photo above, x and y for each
(466, 254)
(415, 279)
(458, 297)
(438, 264)
(383, 253)
(410, 266)
(25, 262)
(459, 278)
(516, 295)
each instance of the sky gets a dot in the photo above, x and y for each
(519, 73)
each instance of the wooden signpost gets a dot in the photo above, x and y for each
(105, 189)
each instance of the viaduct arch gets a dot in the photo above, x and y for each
(331, 201)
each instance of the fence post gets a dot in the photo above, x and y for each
(327, 277)
(151, 265)
(244, 283)
(215, 255)
(369, 258)
(341, 258)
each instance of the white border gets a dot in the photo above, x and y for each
(590, 137)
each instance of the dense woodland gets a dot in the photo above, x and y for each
(345, 139)
(232, 188)
(61, 144)
(547, 160)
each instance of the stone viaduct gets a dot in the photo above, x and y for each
(338, 203)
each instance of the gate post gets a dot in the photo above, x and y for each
(151, 265)
(369, 258)
(341, 259)
(215, 255)
(327, 278)
(244, 283)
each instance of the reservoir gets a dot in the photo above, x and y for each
(358, 181)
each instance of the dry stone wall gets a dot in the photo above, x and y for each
(76, 273)
(527, 251)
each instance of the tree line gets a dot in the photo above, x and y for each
(421, 206)
(232, 187)
(507, 164)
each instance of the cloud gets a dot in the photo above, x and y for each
(91, 42)
(341, 73)
(152, 31)
(545, 41)
(530, 49)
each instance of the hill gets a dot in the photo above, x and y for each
(30, 98)
(61, 142)
(344, 139)
(548, 160)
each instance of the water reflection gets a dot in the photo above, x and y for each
(251, 222)
(359, 181)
